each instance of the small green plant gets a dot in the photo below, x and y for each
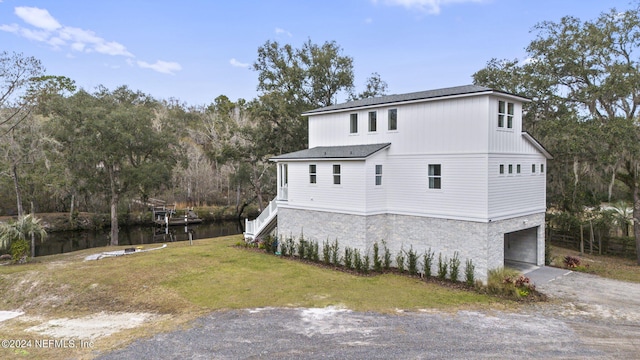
(19, 251)
(335, 259)
(377, 262)
(366, 264)
(357, 260)
(291, 246)
(348, 257)
(508, 283)
(427, 262)
(454, 267)
(400, 261)
(386, 263)
(302, 248)
(442, 267)
(316, 255)
(412, 261)
(469, 273)
(326, 252)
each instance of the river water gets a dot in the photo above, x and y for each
(66, 241)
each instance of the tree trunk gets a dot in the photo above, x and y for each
(114, 218)
(636, 219)
(16, 184)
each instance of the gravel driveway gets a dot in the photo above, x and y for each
(588, 317)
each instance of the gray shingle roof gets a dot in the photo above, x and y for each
(388, 99)
(334, 152)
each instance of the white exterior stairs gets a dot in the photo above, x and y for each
(263, 224)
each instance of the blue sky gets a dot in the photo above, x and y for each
(195, 50)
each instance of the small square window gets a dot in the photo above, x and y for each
(336, 174)
(312, 174)
(353, 127)
(373, 121)
(393, 119)
(378, 174)
(501, 168)
(435, 176)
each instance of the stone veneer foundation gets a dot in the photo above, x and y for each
(482, 242)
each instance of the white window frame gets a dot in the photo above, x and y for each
(506, 111)
(533, 168)
(353, 125)
(434, 180)
(373, 121)
(501, 169)
(378, 178)
(392, 118)
(313, 175)
(541, 168)
(337, 176)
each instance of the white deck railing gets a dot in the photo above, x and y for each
(252, 228)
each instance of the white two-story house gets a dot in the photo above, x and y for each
(449, 170)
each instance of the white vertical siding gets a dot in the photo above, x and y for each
(441, 126)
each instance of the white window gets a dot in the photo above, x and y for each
(505, 112)
(373, 121)
(393, 119)
(518, 169)
(501, 168)
(541, 168)
(336, 174)
(378, 174)
(435, 176)
(353, 127)
(533, 168)
(510, 168)
(312, 174)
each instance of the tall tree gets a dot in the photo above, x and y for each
(292, 81)
(375, 86)
(16, 77)
(112, 144)
(592, 70)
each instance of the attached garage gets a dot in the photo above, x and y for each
(521, 246)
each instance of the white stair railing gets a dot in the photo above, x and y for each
(254, 227)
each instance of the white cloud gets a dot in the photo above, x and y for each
(283, 31)
(165, 67)
(39, 18)
(45, 28)
(236, 63)
(13, 28)
(428, 6)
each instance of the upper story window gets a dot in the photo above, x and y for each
(353, 124)
(501, 168)
(373, 121)
(505, 114)
(393, 119)
(533, 168)
(541, 168)
(312, 174)
(378, 174)
(518, 169)
(510, 168)
(336, 174)
(435, 176)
